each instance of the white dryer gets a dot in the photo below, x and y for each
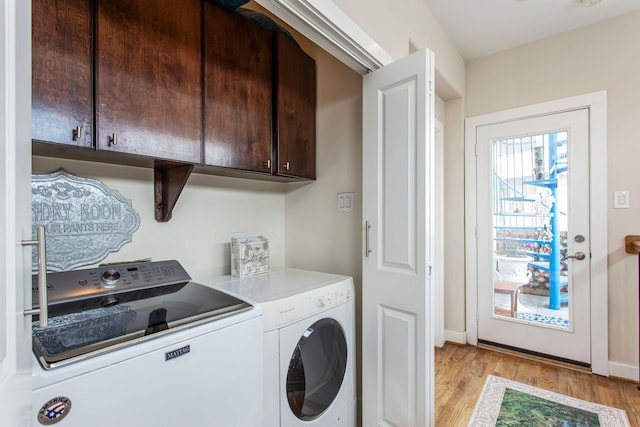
(309, 345)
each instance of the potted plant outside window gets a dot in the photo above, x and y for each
(512, 262)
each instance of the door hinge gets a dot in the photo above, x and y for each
(475, 150)
(430, 268)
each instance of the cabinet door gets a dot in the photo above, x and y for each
(295, 109)
(237, 91)
(148, 94)
(61, 72)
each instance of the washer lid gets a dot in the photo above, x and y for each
(104, 321)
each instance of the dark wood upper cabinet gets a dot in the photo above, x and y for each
(61, 72)
(187, 82)
(295, 109)
(237, 91)
(259, 98)
(148, 78)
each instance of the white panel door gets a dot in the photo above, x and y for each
(397, 357)
(15, 191)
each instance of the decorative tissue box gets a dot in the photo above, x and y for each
(249, 255)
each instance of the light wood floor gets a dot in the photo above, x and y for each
(461, 372)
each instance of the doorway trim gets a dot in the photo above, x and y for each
(328, 26)
(596, 103)
(437, 277)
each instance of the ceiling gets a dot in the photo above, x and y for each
(482, 27)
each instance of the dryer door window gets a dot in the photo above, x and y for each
(316, 369)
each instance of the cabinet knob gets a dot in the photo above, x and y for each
(77, 133)
(113, 139)
(267, 164)
(287, 165)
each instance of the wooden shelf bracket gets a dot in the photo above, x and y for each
(632, 244)
(169, 178)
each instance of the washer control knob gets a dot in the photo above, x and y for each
(110, 278)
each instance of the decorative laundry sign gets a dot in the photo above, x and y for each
(84, 220)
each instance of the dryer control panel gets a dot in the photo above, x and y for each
(288, 295)
(282, 312)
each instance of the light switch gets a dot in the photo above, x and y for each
(621, 200)
(345, 202)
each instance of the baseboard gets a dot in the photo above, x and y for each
(620, 370)
(455, 337)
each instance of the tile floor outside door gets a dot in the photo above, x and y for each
(532, 307)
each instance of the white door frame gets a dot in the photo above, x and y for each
(437, 277)
(15, 223)
(597, 104)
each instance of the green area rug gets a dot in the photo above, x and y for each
(505, 403)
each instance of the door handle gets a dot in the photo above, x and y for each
(43, 310)
(578, 255)
(367, 227)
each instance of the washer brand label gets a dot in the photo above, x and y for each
(177, 353)
(54, 410)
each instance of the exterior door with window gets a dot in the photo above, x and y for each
(533, 235)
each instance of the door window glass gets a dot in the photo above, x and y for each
(530, 228)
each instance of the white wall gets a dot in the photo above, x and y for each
(208, 211)
(454, 243)
(603, 56)
(400, 27)
(397, 32)
(319, 237)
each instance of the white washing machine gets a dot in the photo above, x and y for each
(309, 345)
(143, 345)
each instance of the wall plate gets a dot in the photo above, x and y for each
(345, 202)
